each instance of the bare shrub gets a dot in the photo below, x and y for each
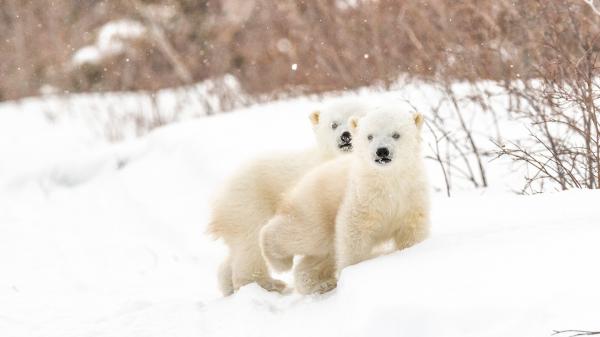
(574, 333)
(461, 124)
(561, 105)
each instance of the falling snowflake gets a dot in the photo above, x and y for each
(294, 66)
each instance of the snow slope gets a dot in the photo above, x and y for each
(100, 239)
(494, 266)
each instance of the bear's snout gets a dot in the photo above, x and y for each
(345, 142)
(383, 156)
(346, 137)
(383, 152)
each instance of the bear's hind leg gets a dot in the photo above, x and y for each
(315, 274)
(225, 277)
(249, 266)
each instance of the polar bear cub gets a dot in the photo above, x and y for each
(252, 195)
(339, 212)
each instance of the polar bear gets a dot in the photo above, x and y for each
(341, 211)
(250, 198)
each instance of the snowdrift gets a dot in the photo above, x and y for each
(101, 239)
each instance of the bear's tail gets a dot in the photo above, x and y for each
(214, 230)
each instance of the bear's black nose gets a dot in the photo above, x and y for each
(383, 152)
(346, 137)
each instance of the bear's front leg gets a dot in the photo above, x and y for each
(355, 240)
(414, 229)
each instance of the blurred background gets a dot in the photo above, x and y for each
(216, 56)
(283, 47)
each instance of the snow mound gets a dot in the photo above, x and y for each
(494, 266)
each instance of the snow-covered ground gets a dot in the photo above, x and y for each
(107, 239)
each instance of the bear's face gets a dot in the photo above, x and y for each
(385, 136)
(332, 129)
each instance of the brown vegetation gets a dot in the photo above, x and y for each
(336, 44)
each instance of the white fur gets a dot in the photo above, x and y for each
(251, 197)
(339, 212)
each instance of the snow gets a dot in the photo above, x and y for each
(107, 239)
(87, 54)
(111, 40)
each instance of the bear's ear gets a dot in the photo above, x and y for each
(353, 123)
(314, 117)
(419, 119)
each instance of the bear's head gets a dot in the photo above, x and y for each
(387, 136)
(331, 126)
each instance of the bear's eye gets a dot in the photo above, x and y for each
(334, 125)
(370, 137)
(396, 135)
